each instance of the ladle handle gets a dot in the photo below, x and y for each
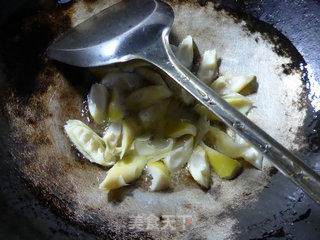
(286, 162)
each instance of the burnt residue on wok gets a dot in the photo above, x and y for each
(28, 33)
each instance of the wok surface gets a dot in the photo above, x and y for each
(258, 224)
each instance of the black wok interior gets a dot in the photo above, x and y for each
(282, 212)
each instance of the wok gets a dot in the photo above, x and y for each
(35, 202)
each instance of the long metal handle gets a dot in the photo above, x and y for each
(284, 160)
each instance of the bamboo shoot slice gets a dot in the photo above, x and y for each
(145, 97)
(153, 117)
(90, 144)
(129, 130)
(198, 167)
(112, 135)
(251, 155)
(115, 110)
(224, 166)
(160, 175)
(179, 156)
(122, 81)
(153, 147)
(239, 102)
(98, 102)
(150, 75)
(231, 84)
(125, 171)
(226, 145)
(185, 52)
(208, 67)
(176, 129)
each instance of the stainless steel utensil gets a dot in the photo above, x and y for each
(139, 29)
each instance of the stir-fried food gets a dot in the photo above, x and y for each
(150, 126)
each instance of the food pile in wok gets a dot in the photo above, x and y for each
(151, 125)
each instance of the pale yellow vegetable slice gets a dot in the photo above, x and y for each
(112, 137)
(150, 75)
(186, 97)
(231, 84)
(239, 102)
(224, 143)
(208, 67)
(203, 127)
(185, 55)
(124, 172)
(149, 116)
(179, 156)
(129, 131)
(98, 102)
(153, 147)
(115, 109)
(145, 97)
(153, 117)
(204, 112)
(224, 166)
(90, 144)
(185, 52)
(198, 167)
(228, 146)
(251, 155)
(112, 134)
(178, 128)
(122, 81)
(160, 175)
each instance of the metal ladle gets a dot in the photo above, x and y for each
(139, 29)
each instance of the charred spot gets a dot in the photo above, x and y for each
(42, 139)
(273, 234)
(246, 194)
(291, 67)
(215, 191)
(39, 111)
(17, 111)
(303, 216)
(187, 205)
(31, 121)
(202, 217)
(272, 171)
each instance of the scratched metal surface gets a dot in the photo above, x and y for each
(289, 213)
